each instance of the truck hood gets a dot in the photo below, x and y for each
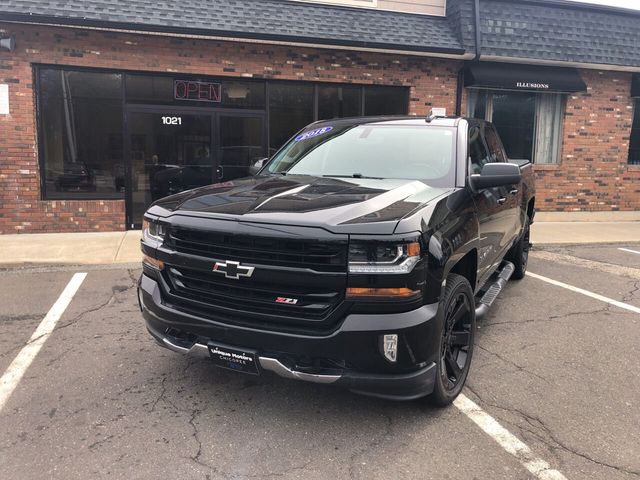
(352, 205)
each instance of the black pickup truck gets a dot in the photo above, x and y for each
(359, 255)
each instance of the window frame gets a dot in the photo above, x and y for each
(560, 127)
(635, 119)
(116, 196)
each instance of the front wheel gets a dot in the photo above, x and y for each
(456, 340)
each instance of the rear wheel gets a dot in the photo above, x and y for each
(519, 255)
(456, 340)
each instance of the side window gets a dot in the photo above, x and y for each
(496, 150)
(478, 153)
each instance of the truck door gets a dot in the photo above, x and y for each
(512, 193)
(494, 216)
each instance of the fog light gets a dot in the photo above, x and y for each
(390, 347)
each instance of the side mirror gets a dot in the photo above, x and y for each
(257, 166)
(495, 175)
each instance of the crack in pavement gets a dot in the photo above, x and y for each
(162, 393)
(371, 445)
(99, 443)
(510, 362)
(630, 296)
(552, 441)
(555, 317)
(79, 316)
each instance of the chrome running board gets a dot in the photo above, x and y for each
(494, 290)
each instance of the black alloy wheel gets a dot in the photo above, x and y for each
(456, 340)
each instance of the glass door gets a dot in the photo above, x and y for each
(241, 142)
(169, 151)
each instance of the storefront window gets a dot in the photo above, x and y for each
(385, 100)
(478, 103)
(514, 117)
(529, 124)
(290, 109)
(335, 102)
(219, 123)
(80, 118)
(634, 143)
(548, 128)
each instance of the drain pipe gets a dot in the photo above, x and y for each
(476, 12)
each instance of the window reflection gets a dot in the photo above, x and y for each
(529, 123)
(335, 102)
(385, 100)
(290, 109)
(81, 127)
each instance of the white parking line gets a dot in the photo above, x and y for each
(629, 250)
(597, 296)
(506, 440)
(18, 367)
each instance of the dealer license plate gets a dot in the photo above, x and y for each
(245, 361)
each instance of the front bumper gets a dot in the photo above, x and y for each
(348, 356)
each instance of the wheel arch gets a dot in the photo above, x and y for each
(531, 208)
(467, 266)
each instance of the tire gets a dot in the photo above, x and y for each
(519, 254)
(456, 340)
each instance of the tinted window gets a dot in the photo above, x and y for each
(80, 116)
(478, 103)
(334, 102)
(290, 109)
(496, 151)
(378, 151)
(385, 101)
(478, 153)
(241, 144)
(514, 118)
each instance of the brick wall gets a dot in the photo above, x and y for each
(432, 82)
(593, 174)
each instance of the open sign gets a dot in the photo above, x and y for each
(196, 91)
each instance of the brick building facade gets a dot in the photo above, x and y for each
(592, 171)
(432, 82)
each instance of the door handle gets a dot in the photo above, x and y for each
(514, 191)
(501, 200)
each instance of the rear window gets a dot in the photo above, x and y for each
(376, 151)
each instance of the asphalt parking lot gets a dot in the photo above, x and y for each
(555, 367)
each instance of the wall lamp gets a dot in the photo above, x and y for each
(8, 43)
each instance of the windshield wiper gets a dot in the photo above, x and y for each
(353, 175)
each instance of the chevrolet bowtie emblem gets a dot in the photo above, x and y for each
(233, 270)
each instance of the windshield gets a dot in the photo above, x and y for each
(416, 152)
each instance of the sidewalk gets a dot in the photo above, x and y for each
(97, 248)
(124, 247)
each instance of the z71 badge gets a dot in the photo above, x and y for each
(288, 301)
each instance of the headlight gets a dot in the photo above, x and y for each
(153, 232)
(383, 258)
